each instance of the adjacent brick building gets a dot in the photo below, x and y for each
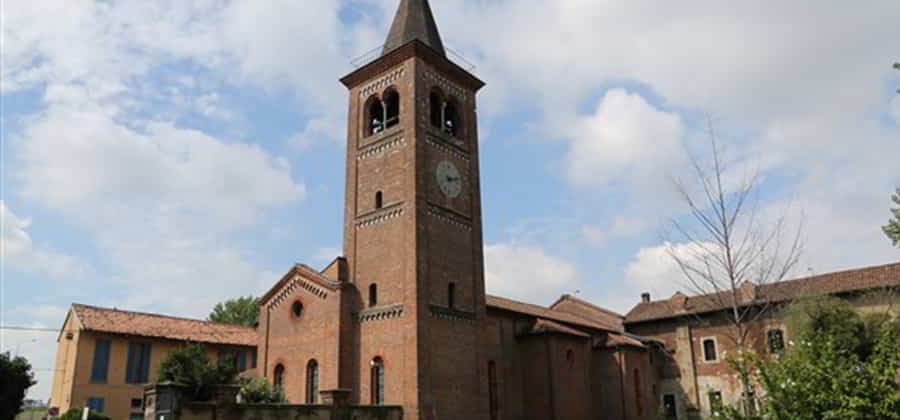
(697, 335)
(106, 356)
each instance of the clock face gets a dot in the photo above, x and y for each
(448, 179)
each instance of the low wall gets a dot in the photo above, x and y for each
(212, 411)
(170, 402)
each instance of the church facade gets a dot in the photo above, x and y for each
(402, 318)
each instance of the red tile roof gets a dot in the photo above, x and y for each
(537, 311)
(582, 308)
(831, 283)
(142, 324)
(544, 326)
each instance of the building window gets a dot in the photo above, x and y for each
(138, 367)
(136, 416)
(377, 385)
(137, 403)
(297, 309)
(252, 359)
(776, 341)
(492, 390)
(570, 357)
(235, 358)
(451, 295)
(278, 380)
(709, 350)
(95, 404)
(312, 382)
(437, 105)
(670, 410)
(101, 361)
(391, 108)
(373, 295)
(374, 116)
(379, 200)
(638, 398)
(715, 403)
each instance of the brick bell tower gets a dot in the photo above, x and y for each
(412, 229)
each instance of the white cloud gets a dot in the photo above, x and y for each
(621, 226)
(527, 273)
(625, 138)
(20, 252)
(654, 270)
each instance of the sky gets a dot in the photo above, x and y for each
(165, 155)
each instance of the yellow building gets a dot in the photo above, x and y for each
(106, 356)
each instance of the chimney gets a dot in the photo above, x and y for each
(679, 300)
(748, 292)
(645, 297)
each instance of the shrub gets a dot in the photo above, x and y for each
(74, 413)
(259, 391)
(190, 366)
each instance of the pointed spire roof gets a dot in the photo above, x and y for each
(414, 21)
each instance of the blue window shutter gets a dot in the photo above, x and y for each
(131, 368)
(100, 367)
(145, 363)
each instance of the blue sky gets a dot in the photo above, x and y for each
(166, 155)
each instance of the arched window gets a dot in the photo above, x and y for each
(377, 387)
(278, 380)
(312, 382)
(373, 295)
(375, 117)
(297, 309)
(451, 119)
(437, 109)
(492, 390)
(379, 200)
(709, 350)
(391, 108)
(451, 295)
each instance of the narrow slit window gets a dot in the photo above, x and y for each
(379, 200)
(709, 350)
(373, 295)
(312, 382)
(451, 295)
(377, 385)
(278, 380)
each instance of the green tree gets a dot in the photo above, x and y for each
(15, 378)
(75, 413)
(190, 366)
(841, 365)
(240, 311)
(892, 229)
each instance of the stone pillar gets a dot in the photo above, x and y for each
(339, 397)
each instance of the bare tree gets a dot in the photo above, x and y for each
(730, 248)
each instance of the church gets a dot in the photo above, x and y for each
(402, 317)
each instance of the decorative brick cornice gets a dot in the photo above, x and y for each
(297, 282)
(449, 87)
(380, 147)
(451, 314)
(380, 313)
(447, 148)
(450, 217)
(380, 216)
(382, 82)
